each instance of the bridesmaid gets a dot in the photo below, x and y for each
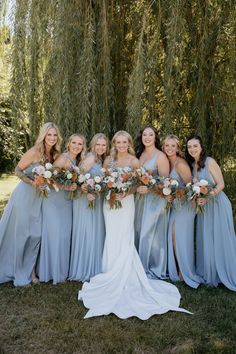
(88, 224)
(57, 220)
(20, 225)
(216, 241)
(181, 264)
(151, 218)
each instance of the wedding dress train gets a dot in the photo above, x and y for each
(123, 287)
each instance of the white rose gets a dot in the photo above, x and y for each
(87, 176)
(47, 174)
(166, 191)
(97, 187)
(48, 166)
(69, 175)
(55, 172)
(153, 181)
(81, 178)
(127, 169)
(114, 174)
(174, 183)
(97, 179)
(188, 184)
(196, 189)
(203, 182)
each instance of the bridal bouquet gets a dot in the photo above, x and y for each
(67, 178)
(200, 189)
(117, 181)
(170, 187)
(43, 175)
(93, 185)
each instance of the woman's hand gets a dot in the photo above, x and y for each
(142, 190)
(71, 188)
(201, 201)
(120, 196)
(91, 197)
(84, 188)
(169, 198)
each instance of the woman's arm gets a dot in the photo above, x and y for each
(163, 165)
(184, 171)
(27, 159)
(217, 176)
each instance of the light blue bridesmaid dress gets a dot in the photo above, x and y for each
(20, 233)
(87, 236)
(151, 221)
(182, 217)
(56, 236)
(216, 240)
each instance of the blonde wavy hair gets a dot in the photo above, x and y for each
(81, 156)
(176, 139)
(113, 152)
(40, 142)
(93, 145)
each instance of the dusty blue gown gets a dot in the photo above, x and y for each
(20, 233)
(183, 219)
(87, 236)
(56, 236)
(216, 240)
(151, 221)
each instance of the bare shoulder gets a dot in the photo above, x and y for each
(212, 162)
(30, 156)
(182, 164)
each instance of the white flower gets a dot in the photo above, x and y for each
(55, 172)
(127, 169)
(166, 183)
(166, 191)
(114, 174)
(81, 178)
(103, 170)
(97, 179)
(108, 195)
(203, 182)
(39, 170)
(47, 174)
(48, 166)
(188, 184)
(69, 175)
(97, 187)
(153, 181)
(174, 182)
(87, 176)
(196, 189)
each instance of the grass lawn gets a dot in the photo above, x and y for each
(49, 319)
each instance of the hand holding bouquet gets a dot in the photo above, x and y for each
(117, 182)
(68, 180)
(199, 190)
(43, 178)
(169, 189)
(145, 178)
(93, 186)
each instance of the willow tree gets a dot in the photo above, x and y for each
(103, 65)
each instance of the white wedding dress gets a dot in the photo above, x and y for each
(123, 288)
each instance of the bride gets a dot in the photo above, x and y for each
(123, 287)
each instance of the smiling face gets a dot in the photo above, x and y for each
(170, 147)
(148, 137)
(194, 148)
(75, 145)
(100, 147)
(121, 143)
(51, 137)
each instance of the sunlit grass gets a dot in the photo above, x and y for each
(49, 319)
